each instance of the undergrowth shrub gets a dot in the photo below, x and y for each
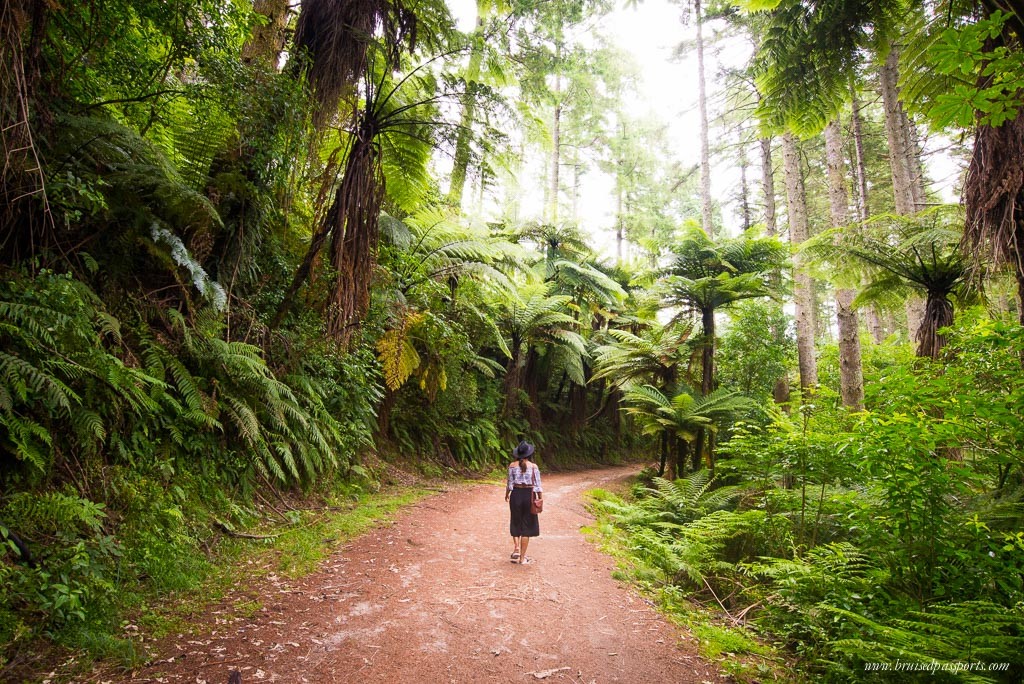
(893, 534)
(170, 427)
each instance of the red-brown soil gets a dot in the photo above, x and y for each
(432, 597)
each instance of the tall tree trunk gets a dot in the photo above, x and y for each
(803, 287)
(915, 165)
(512, 184)
(744, 188)
(707, 217)
(857, 128)
(895, 133)
(707, 382)
(901, 164)
(873, 320)
(851, 375)
(619, 223)
(780, 391)
(768, 187)
(556, 147)
(460, 167)
(575, 185)
(482, 187)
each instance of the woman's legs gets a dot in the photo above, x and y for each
(515, 546)
(523, 543)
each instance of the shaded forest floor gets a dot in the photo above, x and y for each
(432, 596)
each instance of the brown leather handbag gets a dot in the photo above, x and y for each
(536, 505)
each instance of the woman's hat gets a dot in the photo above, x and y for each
(524, 450)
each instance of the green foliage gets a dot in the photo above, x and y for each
(953, 639)
(58, 381)
(988, 75)
(692, 552)
(709, 275)
(677, 501)
(683, 414)
(144, 397)
(756, 349)
(655, 355)
(808, 52)
(892, 534)
(73, 411)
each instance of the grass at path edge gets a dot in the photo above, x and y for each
(226, 581)
(737, 651)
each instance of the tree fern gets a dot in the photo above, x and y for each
(689, 498)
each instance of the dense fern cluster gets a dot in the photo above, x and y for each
(889, 535)
(107, 442)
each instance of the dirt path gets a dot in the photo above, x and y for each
(433, 597)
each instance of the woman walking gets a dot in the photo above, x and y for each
(522, 487)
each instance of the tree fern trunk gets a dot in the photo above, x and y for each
(387, 403)
(664, 454)
(354, 248)
(697, 453)
(711, 454)
(26, 224)
(530, 386)
(938, 314)
(513, 379)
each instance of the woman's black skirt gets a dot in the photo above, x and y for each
(522, 523)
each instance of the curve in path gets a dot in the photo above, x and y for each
(433, 597)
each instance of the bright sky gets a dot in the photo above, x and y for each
(651, 31)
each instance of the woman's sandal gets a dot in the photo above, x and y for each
(515, 556)
(525, 560)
